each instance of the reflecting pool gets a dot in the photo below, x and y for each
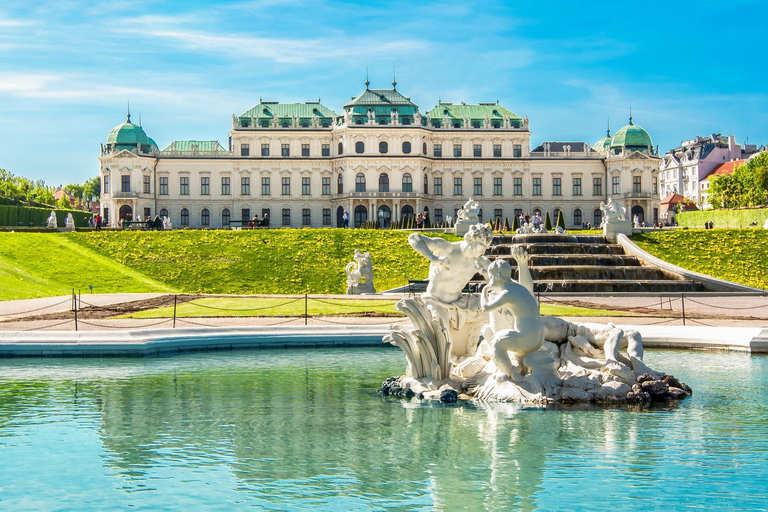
(306, 430)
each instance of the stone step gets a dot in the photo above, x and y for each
(618, 285)
(548, 239)
(591, 272)
(561, 248)
(563, 260)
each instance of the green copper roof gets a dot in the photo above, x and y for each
(381, 98)
(201, 146)
(477, 113)
(128, 135)
(631, 137)
(268, 110)
(603, 144)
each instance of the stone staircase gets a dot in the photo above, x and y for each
(586, 264)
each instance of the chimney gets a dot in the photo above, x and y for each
(732, 148)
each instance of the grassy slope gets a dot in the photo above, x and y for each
(42, 264)
(738, 255)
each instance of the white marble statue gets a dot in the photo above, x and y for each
(614, 220)
(360, 274)
(52, 222)
(167, 224)
(70, 222)
(467, 217)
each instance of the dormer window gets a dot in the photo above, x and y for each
(285, 124)
(457, 124)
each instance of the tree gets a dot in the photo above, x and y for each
(64, 203)
(92, 188)
(560, 220)
(746, 186)
(548, 223)
(515, 223)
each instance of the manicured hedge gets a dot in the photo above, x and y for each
(37, 217)
(740, 218)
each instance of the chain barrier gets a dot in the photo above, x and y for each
(326, 301)
(26, 312)
(699, 322)
(723, 307)
(123, 326)
(248, 309)
(291, 319)
(67, 321)
(549, 298)
(389, 321)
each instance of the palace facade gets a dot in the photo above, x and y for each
(303, 165)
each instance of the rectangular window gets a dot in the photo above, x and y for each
(326, 151)
(285, 149)
(326, 186)
(326, 216)
(205, 186)
(146, 184)
(286, 219)
(497, 150)
(655, 186)
(517, 151)
(225, 186)
(537, 186)
(616, 188)
(438, 215)
(438, 150)
(305, 150)
(306, 217)
(457, 187)
(163, 186)
(265, 215)
(478, 189)
(125, 183)
(597, 186)
(265, 150)
(497, 214)
(557, 187)
(184, 186)
(518, 212)
(245, 149)
(147, 213)
(245, 214)
(518, 186)
(637, 184)
(245, 186)
(106, 185)
(497, 186)
(577, 186)
(438, 186)
(305, 188)
(457, 150)
(286, 186)
(477, 150)
(265, 186)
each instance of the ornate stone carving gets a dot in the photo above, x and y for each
(360, 274)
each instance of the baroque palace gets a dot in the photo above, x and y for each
(381, 159)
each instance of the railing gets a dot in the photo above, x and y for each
(570, 154)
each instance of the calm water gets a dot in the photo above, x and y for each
(295, 430)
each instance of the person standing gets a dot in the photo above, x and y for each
(345, 219)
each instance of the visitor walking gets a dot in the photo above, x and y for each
(345, 219)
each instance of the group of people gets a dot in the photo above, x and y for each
(535, 221)
(256, 223)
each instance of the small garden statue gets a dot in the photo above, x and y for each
(360, 274)
(52, 222)
(70, 222)
(467, 217)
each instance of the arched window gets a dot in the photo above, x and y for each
(340, 183)
(406, 147)
(359, 147)
(577, 221)
(359, 120)
(406, 212)
(407, 183)
(205, 217)
(597, 218)
(361, 215)
(426, 184)
(163, 213)
(424, 148)
(225, 217)
(184, 217)
(384, 216)
(554, 216)
(383, 147)
(341, 148)
(360, 183)
(383, 182)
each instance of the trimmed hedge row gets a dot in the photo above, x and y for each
(37, 217)
(741, 218)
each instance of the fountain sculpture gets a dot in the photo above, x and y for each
(495, 345)
(360, 274)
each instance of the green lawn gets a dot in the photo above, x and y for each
(738, 255)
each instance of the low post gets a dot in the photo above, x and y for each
(306, 314)
(682, 298)
(174, 311)
(74, 307)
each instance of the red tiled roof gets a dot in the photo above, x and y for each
(672, 201)
(725, 168)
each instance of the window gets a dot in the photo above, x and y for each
(655, 186)
(245, 149)
(147, 213)
(106, 184)
(225, 186)
(616, 185)
(518, 212)
(457, 150)
(146, 184)
(497, 186)
(557, 187)
(457, 187)
(326, 186)
(577, 217)
(163, 186)
(360, 183)
(184, 186)
(125, 183)
(383, 147)
(265, 150)
(383, 182)
(341, 148)
(305, 150)
(497, 214)
(424, 148)
(359, 147)
(407, 183)
(437, 185)
(597, 218)
(637, 184)
(245, 186)
(517, 150)
(305, 186)
(477, 150)
(426, 184)
(205, 217)
(518, 186)
(438, 149)
(245, 214)
(286, 191)
(326, 150)
(326, 216)
(406, 147)
(205, 186)
(537, 186)
(497, 150)
(597, 186)
(577, 187)
(285, 149)
(163, 213)
(265, 214)
(340, 185)
(555, 215)
(265, 186)
(438, 215)
(286, 218)
(306, 217)
(184, 217)
(478, 189)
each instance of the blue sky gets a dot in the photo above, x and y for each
(68, 67)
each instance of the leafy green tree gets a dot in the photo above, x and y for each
(75, 190)
(92, 188)
(548, 223)
(515, 223)
(746, 186)
(560, 219)
(64, 203)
